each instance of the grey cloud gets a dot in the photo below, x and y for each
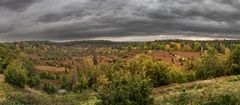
(76, 19)
(17, 5)
(55, 17)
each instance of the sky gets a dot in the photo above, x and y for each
(118, 20)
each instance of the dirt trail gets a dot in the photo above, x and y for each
(33, 91)
(1, 78)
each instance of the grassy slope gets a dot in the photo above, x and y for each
(188, 93)
(200, 92)
(86, 98)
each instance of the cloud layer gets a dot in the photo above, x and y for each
(86, 19)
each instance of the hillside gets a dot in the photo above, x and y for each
(115, 73)
(219, 90)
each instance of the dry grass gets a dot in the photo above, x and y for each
(167, 57)
(194, 92)
(50, 69)
(1, 78)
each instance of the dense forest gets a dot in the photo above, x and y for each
(116, 73)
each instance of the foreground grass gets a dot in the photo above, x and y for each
(5, 90)
(88, 97)
(219, 91)
(85, 98)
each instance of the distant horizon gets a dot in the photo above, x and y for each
(140, 38)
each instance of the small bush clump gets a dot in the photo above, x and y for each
(16, 74)
(46, 75)
(49, 88)
(210, 66)
(34, 81)
(25, 99)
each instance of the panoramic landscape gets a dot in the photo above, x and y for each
(119, 52)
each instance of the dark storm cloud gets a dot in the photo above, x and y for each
(83, 19)
(16, 5)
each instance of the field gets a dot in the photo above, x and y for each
(174, 56)
(50, 69)
(167, 72)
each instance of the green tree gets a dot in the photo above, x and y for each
(196, 46)
(234, 60)
(210, 65)
(235, 55)
(16, 74)
(157, 72)
(3, 58)
(125, 89)
(167, 47)
(81, 83)
(187, 47)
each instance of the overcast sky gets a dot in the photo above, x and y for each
(94, 19)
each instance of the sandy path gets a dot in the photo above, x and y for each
(1, 78)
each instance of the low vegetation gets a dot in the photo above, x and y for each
(114, 73)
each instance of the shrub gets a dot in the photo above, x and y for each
(208, 98)
(81, 84)
(25, 99)
(234, 69)
(209, 66)
(102, 81)
(234, 61)
(66, 84)
(34, 81)
(191, 76)
(176, 75)
(49, 88)
(235, 55)
(29, 65)
(15, 74)
(92, 78)
(46, 75)
(187, 47)
(227, 99)
(158, 74)
(157, 71)
(3, 58)
(125, 89)
(181, 59)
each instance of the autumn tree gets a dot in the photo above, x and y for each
(187, 47)
(178, 46)
(167, 47)
(196, 46)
